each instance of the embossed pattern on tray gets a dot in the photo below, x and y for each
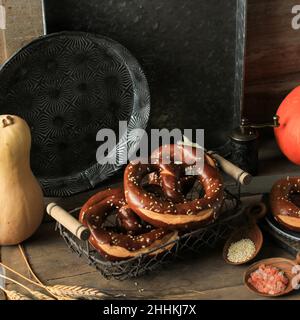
(67, 86)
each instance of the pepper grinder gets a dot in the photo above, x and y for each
(244, 144)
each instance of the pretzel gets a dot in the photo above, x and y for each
(128, 236)
(175, 212)
(283, 206)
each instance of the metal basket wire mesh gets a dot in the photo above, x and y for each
(208, 236)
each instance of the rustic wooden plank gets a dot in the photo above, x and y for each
(229, 293)
(272, 64)
(50, 258)
(201, 276)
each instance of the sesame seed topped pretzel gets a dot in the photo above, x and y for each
(283, 206)
(124, 237)
(174, 212)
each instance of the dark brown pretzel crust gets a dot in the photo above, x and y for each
(175, 213)
(284, 210)
(133, 238)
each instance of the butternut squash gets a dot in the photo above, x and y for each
(21, 197)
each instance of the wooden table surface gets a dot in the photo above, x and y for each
(201, 276)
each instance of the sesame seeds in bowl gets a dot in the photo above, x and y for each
(241, 251)
(243, 245)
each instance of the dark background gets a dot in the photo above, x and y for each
(186, 48)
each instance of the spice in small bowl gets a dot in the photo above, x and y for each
(269, 280)
(241, 251)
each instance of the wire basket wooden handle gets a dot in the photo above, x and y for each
(68, 221)
(228, 167)
(232, 170)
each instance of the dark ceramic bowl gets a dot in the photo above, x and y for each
(67, 86)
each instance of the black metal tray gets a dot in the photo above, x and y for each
(192, 53)
(67, 86)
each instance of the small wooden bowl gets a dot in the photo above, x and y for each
(285, 265)
(250, 231)
(253, 233)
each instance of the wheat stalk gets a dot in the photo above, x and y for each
(19, 274)
(28, 265)
(14, 295)
(25, 278)
(39, 282)
(59, 292)
(35, 294)
(16, 282)
(76, 292)
(62, 292)
(41, 296)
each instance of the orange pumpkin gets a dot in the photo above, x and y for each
(288, 133)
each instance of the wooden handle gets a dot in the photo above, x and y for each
(69, 222)
(232, 170)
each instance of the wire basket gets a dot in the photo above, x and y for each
(208, 236)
